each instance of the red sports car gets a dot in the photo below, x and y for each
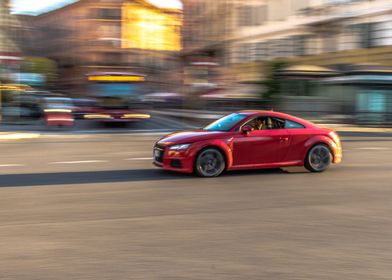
(249, 140)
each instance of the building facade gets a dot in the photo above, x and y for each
(10, 54)
(334, 35)
(94, 36)
(320, 32)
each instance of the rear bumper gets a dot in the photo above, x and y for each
(337, 155)
(59, 120)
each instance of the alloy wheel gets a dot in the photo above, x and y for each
(319, 158)
(210, 163)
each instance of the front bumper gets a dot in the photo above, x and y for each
(179, 161)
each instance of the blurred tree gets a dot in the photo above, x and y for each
(41, 65)
(272, 84)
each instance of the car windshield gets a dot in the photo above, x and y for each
(226, 123)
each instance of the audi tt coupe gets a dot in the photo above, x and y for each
(249, 140)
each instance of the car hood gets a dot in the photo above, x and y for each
(191, 136)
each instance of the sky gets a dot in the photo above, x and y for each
(40, 6)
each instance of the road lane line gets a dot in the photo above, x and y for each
(79, 162)
(373, 148)
(11, 165)
(141, 158)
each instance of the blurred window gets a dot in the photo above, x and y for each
(261, 51)
(112, 31)
(298, 45)
(104, 13)
(284, 47)
(312, 45)
(382, 33)
(273, 49)
(373, 101)
(330, 42)
(365, 35)
(349, 38)
(244, 14)
(111, 58)
(244, 53)
(252, 15)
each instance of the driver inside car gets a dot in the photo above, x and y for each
(257, 124)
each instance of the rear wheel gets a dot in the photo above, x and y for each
(319, 158)
(210, 163)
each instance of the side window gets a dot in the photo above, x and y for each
(265, 123)
(291, 124)
(277, 123)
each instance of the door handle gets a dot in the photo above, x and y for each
(284, 139)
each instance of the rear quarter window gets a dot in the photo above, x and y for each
(291, 124)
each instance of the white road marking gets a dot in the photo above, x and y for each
(78, 162)
(142, 158)
(373, 148)
(11, 165)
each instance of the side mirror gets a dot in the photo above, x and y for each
(246, 129)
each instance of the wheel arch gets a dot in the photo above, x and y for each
(323, 140)
(225, 152)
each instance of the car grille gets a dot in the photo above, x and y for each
(158, 153)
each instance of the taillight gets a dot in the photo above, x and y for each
(335, 137)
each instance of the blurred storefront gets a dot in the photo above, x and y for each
(360, 93)
(367, 88)
(302, 91)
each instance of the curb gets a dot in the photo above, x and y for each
(350, 128)
(18, 135)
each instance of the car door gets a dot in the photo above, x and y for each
(298, 137)
(261, 147)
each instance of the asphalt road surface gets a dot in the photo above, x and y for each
(93, 207)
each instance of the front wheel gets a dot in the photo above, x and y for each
(319, 158)
(210, 163)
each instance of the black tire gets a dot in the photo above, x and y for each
(210, 162)
(319, 158)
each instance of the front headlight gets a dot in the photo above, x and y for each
(179, 147)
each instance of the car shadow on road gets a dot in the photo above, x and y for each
(112, 176)
(271, 171)
(87, 177)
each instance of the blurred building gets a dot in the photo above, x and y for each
(242, 37)
(108, 36)
(208, 27)
(10, 55)
(321, 32)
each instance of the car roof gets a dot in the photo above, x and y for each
(277, 115)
